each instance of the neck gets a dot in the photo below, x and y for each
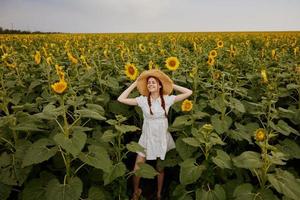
(154, 95)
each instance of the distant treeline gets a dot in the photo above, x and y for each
(14, 31)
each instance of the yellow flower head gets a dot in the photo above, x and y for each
(264, 77)
(260, 135)
(142, 48)
(131, 71)
(216, 75)
(208, 127)
(274, 54)
(60, 72)
(210, 61)
(59, 87)
(150, 64)
(72, 58)
(220, 44)
(37, 57)
(193, 72)
(105, 53)
(186, 105)
(172, 63)
(213, 53)
(49, 60)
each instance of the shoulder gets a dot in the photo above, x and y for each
(169, 99)
(141, 100)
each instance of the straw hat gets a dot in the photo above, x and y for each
(165, 80)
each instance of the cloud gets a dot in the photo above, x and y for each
(149, 15)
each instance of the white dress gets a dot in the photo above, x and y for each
(155, 137)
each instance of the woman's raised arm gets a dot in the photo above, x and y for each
(123, 98)
(185, 93)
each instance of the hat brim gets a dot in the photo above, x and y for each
(165, 80)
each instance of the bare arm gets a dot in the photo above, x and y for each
(123, 98)
(185, 93)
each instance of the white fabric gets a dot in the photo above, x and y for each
(155, 137)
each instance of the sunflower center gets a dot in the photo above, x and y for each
(131, 70)
(172, 63)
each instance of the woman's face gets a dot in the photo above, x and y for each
(153, 85)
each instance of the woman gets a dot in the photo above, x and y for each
(155, 100)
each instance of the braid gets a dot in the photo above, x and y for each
(162, 102)
(149, 103)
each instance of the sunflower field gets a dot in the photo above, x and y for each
(64, 136)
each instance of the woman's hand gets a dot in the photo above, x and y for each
(185, 93)
(123, 98)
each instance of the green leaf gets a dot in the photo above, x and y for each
(283, 128)
(97, 157)
(215, 139)
(34, 190)
(135, 147)
(218, 104)
(126, 128)
(39, 151)
(99, 109)
(237, 104)
(248, 160)
(180, 193)
(26, 127)
(244, 192)
(217, 194)
(98, 193)
(116, 171)
(146, 171)
(222, 160)
(190, 171)
(192, 141)
(72, 145)
(219, 124)
(4, 191)
(50, 112)
(266, 194)
(285, 182)
(184, 150)
(289, 147)
(69, 191)
(108, 135)
(93, 114)
(182, 121)
(11, 171)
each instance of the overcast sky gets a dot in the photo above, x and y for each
(98, 16)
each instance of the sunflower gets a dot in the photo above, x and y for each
(296, 50)
(105, 53)
(131, 71)
(210, 61)
(60, 72)
(193, 72)
(264, 77)
(150, 64)
(274, 56)
(59, 87)
(49, 60)
(172, 63)
(142, 48)
(72, 58)
(216, 75)
(186, 105)
(37, 57)
(213, 53)
(260, 134)
(220, 44)
(208, 127)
